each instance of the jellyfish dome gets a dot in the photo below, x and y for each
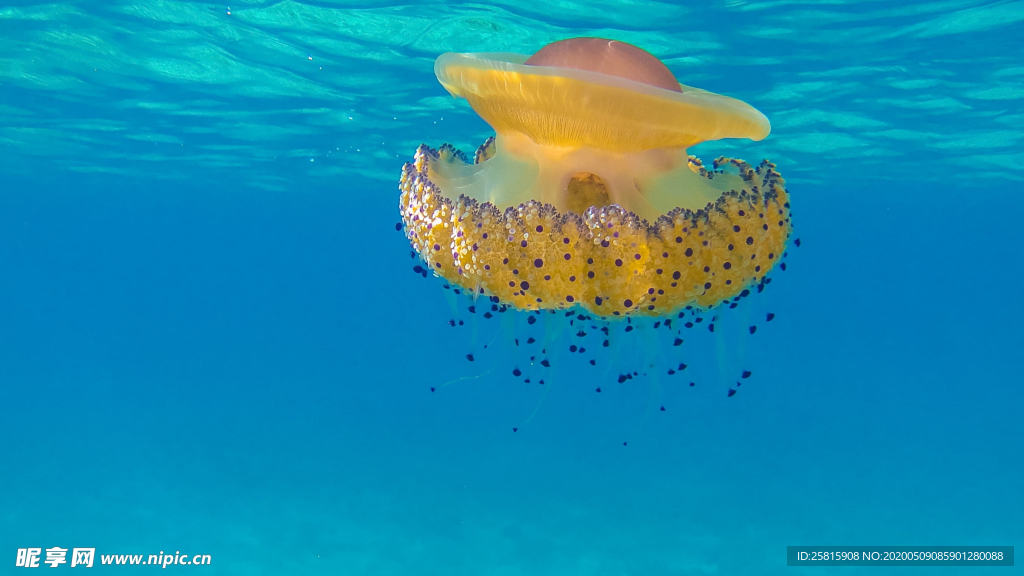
(586, 195)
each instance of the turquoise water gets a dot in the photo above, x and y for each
(212, 341)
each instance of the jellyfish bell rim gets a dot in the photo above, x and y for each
(670, 119)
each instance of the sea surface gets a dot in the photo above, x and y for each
(212, 340)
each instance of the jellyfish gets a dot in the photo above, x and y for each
(586, 195)
(586, 200)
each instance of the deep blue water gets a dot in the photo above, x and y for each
(211, 339)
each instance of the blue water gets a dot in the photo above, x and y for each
(211, 340)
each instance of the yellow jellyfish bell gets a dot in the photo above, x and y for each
(586, 195)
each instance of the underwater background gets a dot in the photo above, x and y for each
(212, 340)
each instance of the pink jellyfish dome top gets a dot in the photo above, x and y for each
(607, 57)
